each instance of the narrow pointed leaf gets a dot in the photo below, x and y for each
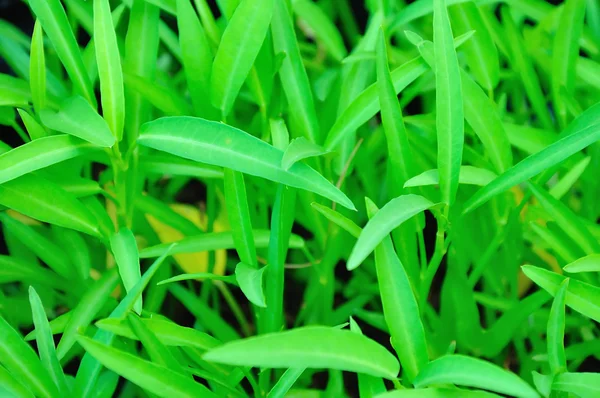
(155, 378)
(449, 104)
(400, 307)
(45, 201)
(87, 308)
(250, 281)
(222, 145)
(392, 215)
(45, 342)
(39, 154)
(238, 50)
(300, 148)
(472, 372)
(581, 296)
(584, 385)
(238, 214)
(124, 248)
(468, 175)
(109, 68)
(76, 117)
(330, 348)
(589, 263)
(53, 18)
(556, 331)
(169, 333)
(582, 132)
(21, 361)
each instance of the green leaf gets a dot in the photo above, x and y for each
(324, 29)
(366, 104)
(87, 308)
(14, 91)
(556, 331)
(340, 220)
(20, 360)
(34, 129)
(197, 57)
(43, 200)
(482, 115)
(52, 16)
(566, 220)
(154, 378)
(157, 352)
(211, 320)
(167, 100)
(37, 68)
(89, 369)
(584, 385)
(213, 241)
(239, 47)
(176, 166)
(168, 333)
(393, 214)
(472, 372)
(199, 276)
(400, 307)
(589, 263)
(141, 52)
(45, 342)
(250, 281)
(521, 62)
(238, 214)
(17, 270)
(437, 393)
(124, 248)
(330, 348)
(39, 154)
(582, 132)
(449, 104)
(300, 148)
(222, 145)
(399, 151)
(294, 80)
(581, 296)
(468, 175)
(109, 68)
(8, 385)
(76, 117)
(47, 250)
(480, 52)
(565, 52)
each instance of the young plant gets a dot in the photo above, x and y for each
(191, 194)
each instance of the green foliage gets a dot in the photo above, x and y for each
(259, 201)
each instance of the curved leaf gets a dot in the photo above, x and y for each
(472, 372)
(468, 175)
(393, 214)
(589, 263)
(582, 132)
(239, 47)
(581, 296)
(20, 360)
(125, 251)
(109, 68)
(330, 348)
(39, 154)
(155, 378)
(250, 281)
(222, 145)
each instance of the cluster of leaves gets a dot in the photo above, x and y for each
(181, 154)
